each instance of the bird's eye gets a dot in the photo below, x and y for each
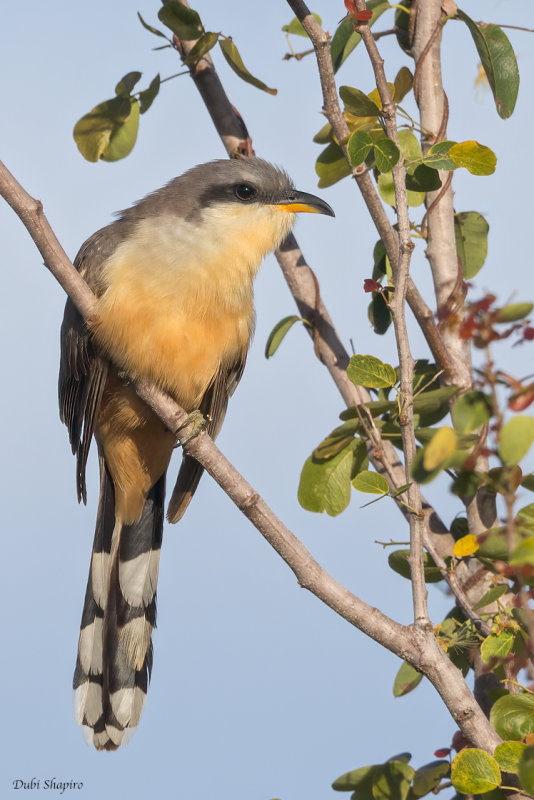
(244, 191)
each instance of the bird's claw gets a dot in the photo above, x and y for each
(197, 421)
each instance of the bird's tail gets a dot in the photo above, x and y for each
(119, 615)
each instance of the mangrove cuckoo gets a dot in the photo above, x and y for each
(173, 279)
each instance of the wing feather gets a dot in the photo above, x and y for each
(213, 407)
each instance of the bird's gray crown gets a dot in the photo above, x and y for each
(229, 180)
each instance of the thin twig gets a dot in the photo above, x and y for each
(406, 363)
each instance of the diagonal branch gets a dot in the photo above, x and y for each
(309, 573)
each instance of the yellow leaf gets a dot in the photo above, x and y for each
(440, 448)
(375, 95)
(466, 546)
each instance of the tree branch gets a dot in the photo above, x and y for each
(433, 108)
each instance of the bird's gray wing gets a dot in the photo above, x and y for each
(213, 408)
(82, 372)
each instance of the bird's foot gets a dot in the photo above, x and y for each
(197, 421)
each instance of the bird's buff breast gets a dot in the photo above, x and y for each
(177, 307)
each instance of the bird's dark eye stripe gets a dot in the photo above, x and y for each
(244, 191)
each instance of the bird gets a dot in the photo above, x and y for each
(173, 278)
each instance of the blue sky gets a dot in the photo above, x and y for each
(258, 691)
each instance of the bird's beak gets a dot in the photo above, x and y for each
(302, 201)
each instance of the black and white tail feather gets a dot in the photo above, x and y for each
(119, 615)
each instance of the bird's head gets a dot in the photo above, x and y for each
(228, 209)
(250, 196)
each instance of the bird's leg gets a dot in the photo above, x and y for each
(197, 421)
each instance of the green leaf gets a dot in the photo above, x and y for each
(405, 757)
(357, 103)
(359, 780)
(392, 780)
(515, 438)
(411, 151)
(526, 769)
(508, 755)
(325, 135)
(147, 97)
(345, 39)
(403, 84)
(371, 372)
(423, 179)
(433, 405)
(496, 646)
(325, 485)
(459, 527)
(429, 776)
(94, 131)
(438, 156)
(386, 191)
(523, 554)
(331, 166)
(474, 772)
(381, 265)
(475, 157)
(360, 459)
(514, 312)
(406, 679)
(491, 596)
(493, 544)
(150, 28)
(331, 446)
(512, 716)
(398, 561)
(200, 48)
(499, 62)
(182, 21)
(126, 84)
(371, 483)
(124, 136)
(402, 18)
(231, 54)
(379, 314)
(528, 482)
(359, 146)
(504, 479)
(295, 26)
(470, 411)
(278, 332)
(471, 234)
(524, 519)
(386, 153)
